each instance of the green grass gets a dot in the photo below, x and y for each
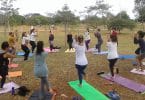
(62, 66)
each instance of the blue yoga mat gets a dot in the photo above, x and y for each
(22, 54)
(127, 56)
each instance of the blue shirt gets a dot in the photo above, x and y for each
(40, 66)
(141, 43)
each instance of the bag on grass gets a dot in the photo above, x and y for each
(113, 95)
(23, 91)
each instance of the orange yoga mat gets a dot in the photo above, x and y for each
(15, 74)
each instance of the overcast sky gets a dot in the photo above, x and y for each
(51, 6)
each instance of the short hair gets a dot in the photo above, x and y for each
(99, 29)
(141, 34)
(10, 33)
(113, 38)
(4, 45)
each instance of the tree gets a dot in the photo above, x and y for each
(7, 10)
(100, 8)
(140, 11)
(36, 19)
(123, 15)
(120, 24)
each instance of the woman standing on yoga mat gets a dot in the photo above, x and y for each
(24, 45)
(4, 62)
(112, 53)
(87, 38)
(41, 70)
(138, 39)
(81, 60)
(70, 41)
(12, 45)
(33, 36)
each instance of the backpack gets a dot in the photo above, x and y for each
(113, 95)
(23, 91)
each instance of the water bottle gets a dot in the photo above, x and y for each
(13, 91)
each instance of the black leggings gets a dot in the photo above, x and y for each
(26, 50)
(70, 45)
(81, 72)
(33, 44)
(98, 46)
(3, 80)
(111, 65)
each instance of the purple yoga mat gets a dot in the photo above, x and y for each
(126, 83)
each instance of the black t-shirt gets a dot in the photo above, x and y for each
(69, 38)
(51, 37)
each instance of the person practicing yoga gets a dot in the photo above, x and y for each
(138, 39)
(33, 36)
(41, 70)
(81, 61)
(51, 41)
(87, 38)
(4, 62)
(12, 45)
(112, 53)
(70, 41)
(24, 45)
(99, 38)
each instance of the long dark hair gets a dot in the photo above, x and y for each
(80, 39)
(4, 45)
(32, 30)
(39, 49)
(23, 34)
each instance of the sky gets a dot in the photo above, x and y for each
(51, 6)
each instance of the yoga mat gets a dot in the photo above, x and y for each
(14, 74)
(92, 50)
(18, 59)
(35, 95)
(127, 56)
(13, 65)
(87, 91)
(137, 71)
(21, 53)
(101, 53)
(8, 87)
(69, 51)
(48, 50)
(130, 84)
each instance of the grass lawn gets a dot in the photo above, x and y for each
(62, 70)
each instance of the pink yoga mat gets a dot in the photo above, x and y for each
(8, 87)
(137, 87)
(137, 71)
(48, 50)
(13, 65)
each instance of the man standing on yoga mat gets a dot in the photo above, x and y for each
(4, 62)
(112, 53)
(100, 40)
(138, 39)
(81, 60)
(41, 70)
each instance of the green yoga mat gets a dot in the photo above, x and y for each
(87, 91)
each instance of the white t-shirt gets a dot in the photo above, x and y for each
(33, 36)
(80, 54)
(87, 36)
(112, 50)
(25, 40)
